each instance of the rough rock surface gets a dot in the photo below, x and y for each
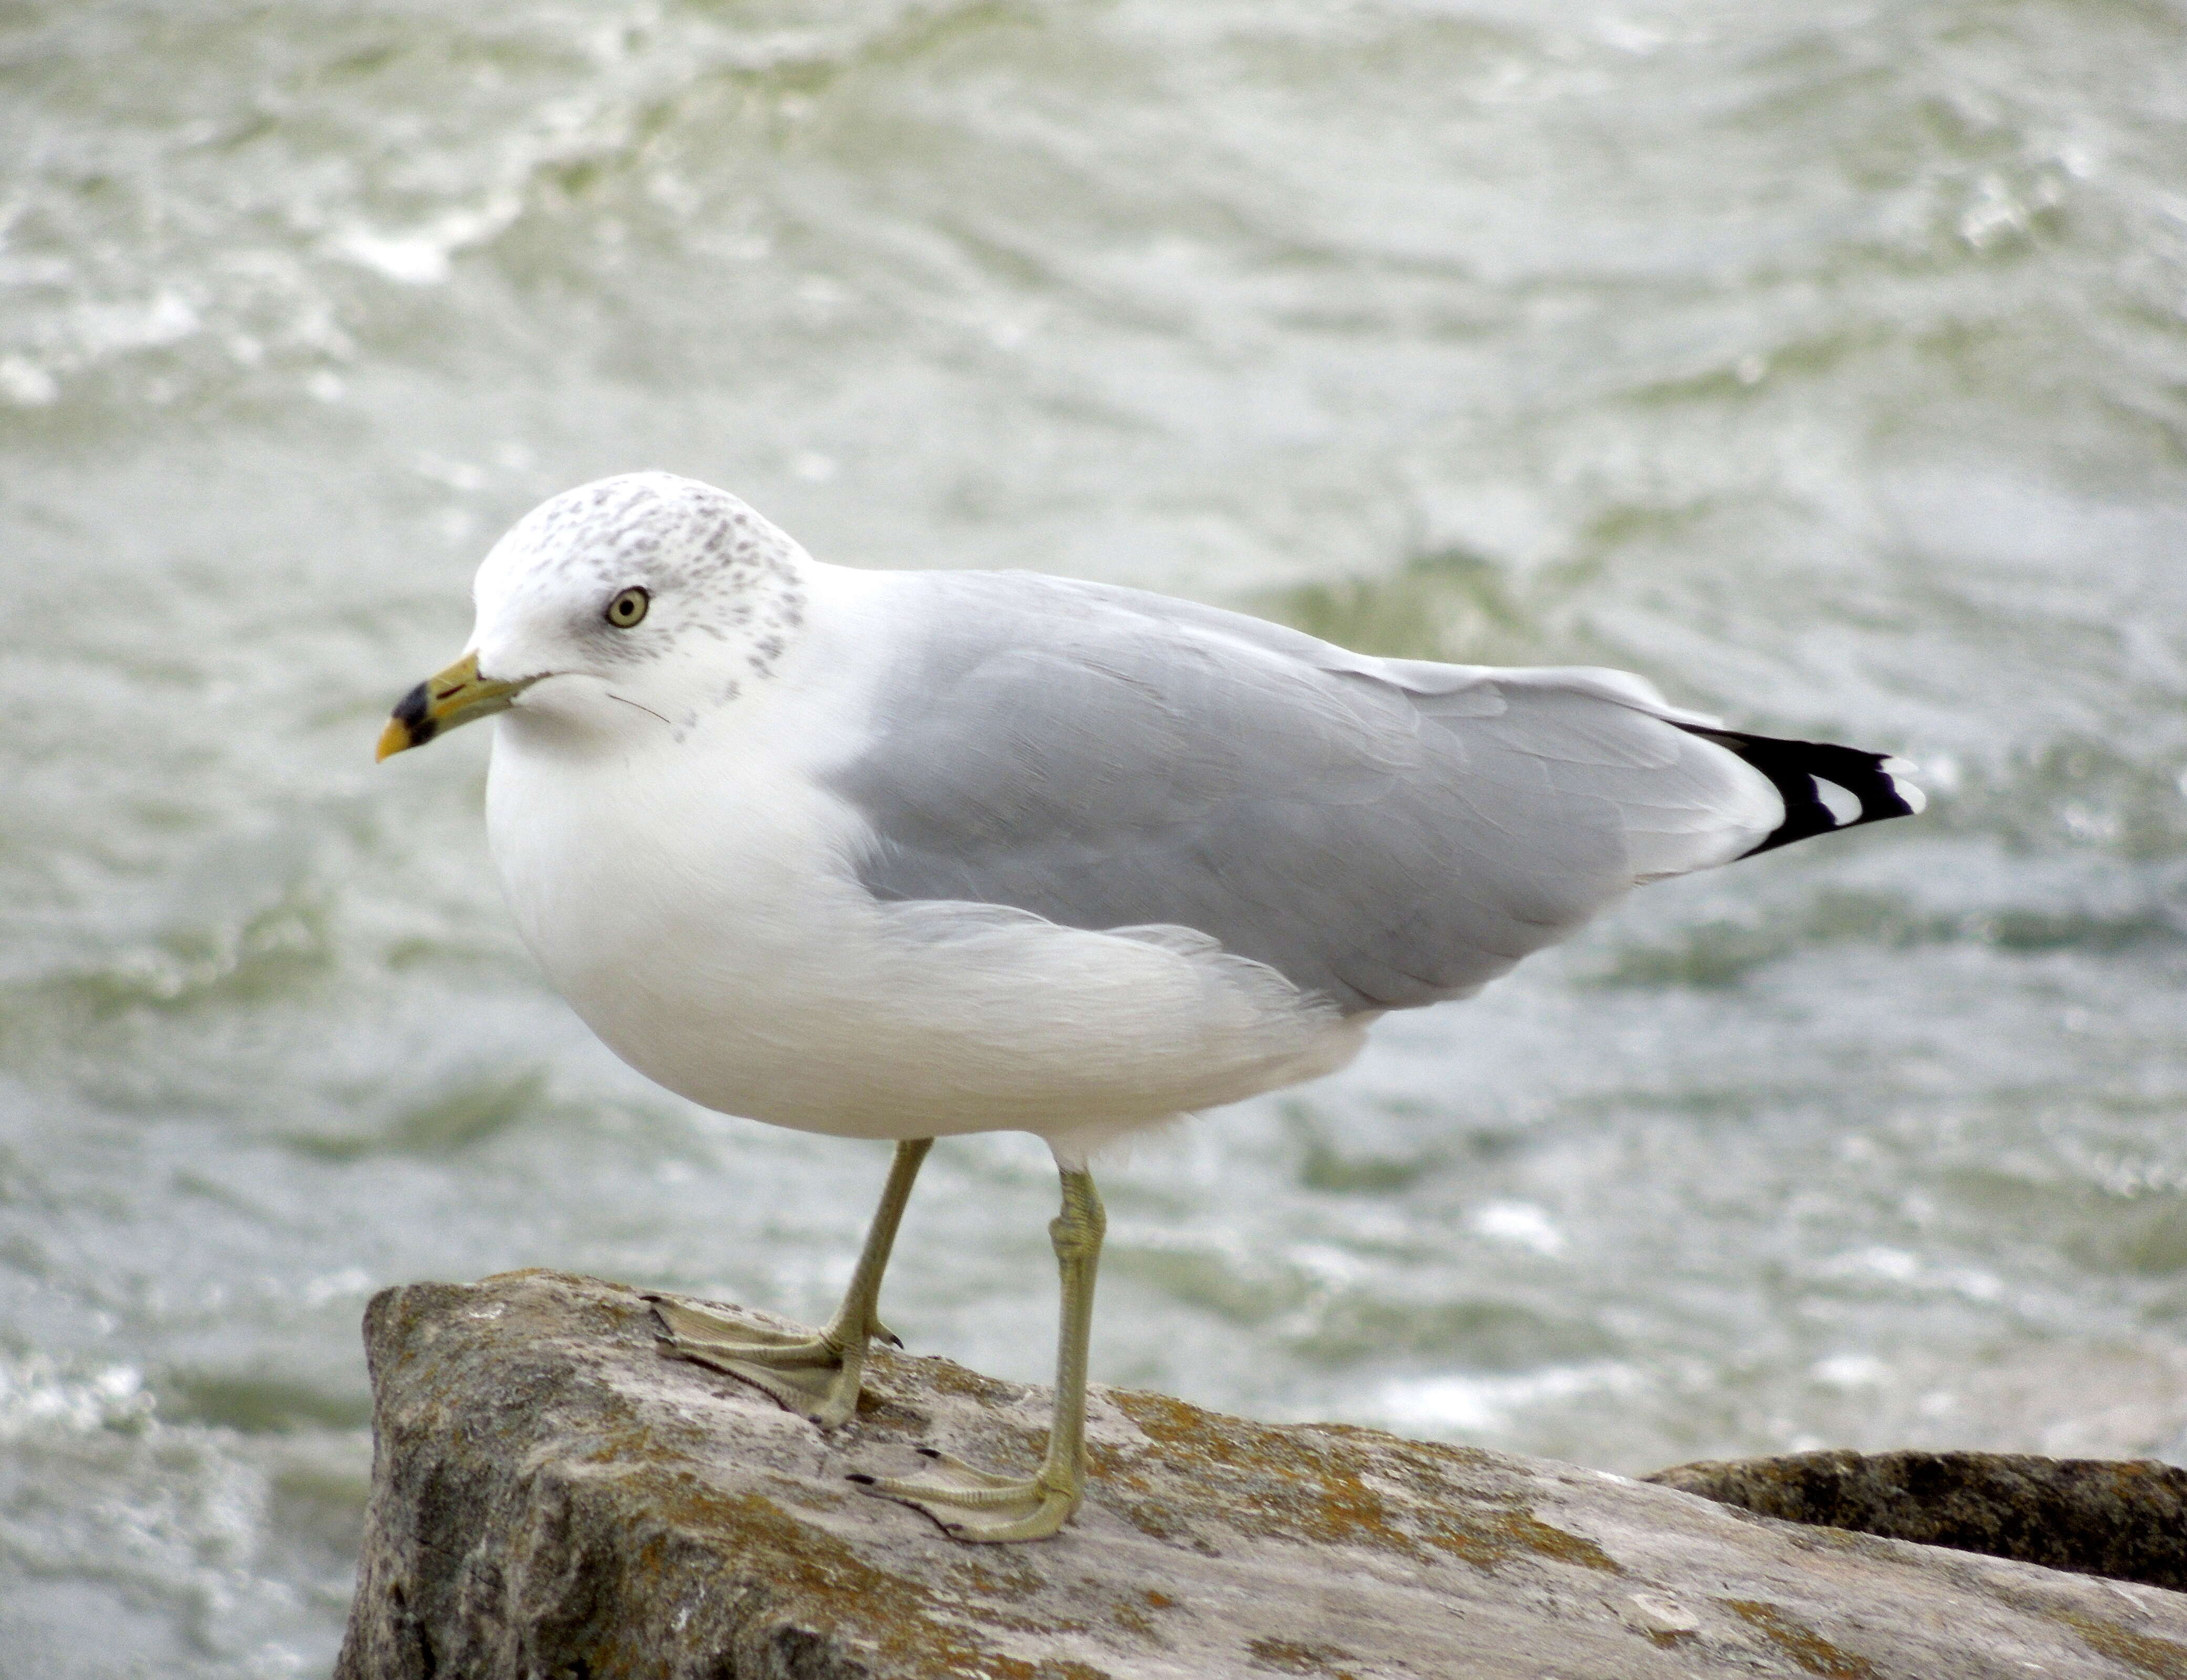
(551, 1498)
(2126, 1519)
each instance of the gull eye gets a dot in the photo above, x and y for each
(629, 608)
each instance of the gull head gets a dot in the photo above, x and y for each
(642, 596)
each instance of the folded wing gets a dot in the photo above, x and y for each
(1383, 832)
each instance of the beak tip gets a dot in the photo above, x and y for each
(453, 698)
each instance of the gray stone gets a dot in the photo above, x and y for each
(2126, 1519)
(551, 1498)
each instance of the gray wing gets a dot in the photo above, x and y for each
(1383, 832)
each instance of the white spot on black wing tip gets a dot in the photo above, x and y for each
(1895, 772)
(1842, 803)
(1825, 787)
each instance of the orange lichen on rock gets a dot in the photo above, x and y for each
(553, 1496)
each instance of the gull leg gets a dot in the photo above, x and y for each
(816, 1375)
(976, 1504)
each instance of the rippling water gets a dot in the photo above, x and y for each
(1829, 364)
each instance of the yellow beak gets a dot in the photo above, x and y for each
(455, 697)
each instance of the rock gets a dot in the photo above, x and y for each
(551, 1498)
(2125, 1518)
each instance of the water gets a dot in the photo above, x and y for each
(1826, 364)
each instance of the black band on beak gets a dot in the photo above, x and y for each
(411, 712)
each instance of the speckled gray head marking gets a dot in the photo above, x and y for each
(712, 566)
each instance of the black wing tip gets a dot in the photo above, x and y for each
(1808, 774)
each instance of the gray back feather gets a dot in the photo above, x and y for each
(1384, 833)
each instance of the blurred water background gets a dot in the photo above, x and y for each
(1826, 362)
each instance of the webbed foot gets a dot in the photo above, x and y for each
(817, 1374)
(977, 1505)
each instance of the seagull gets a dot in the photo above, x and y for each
(907, 855)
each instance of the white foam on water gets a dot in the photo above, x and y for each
(1475, 1404)
(36, 1395)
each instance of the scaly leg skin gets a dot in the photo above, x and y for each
(974, 1504)
(816, 1375)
